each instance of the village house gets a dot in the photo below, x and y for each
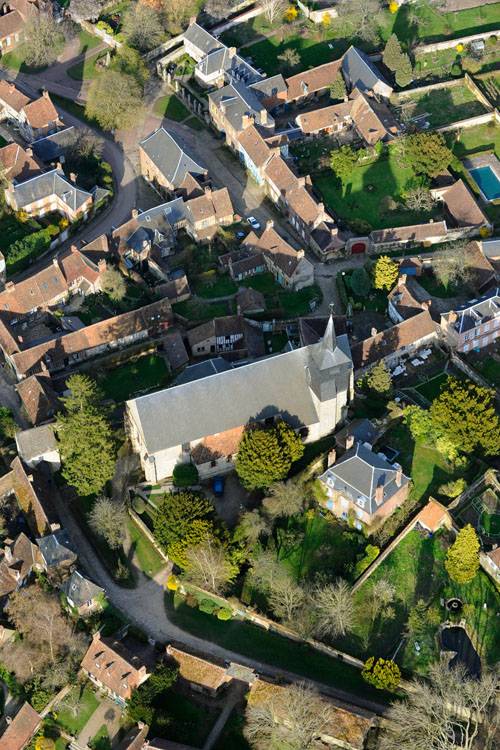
(32, 493)
(363, 483)
(82, 594)
(18, 560)
(405, 301)
(395, 343)
(232, 336)
(19, 164)
(34, 118)
(57, 552)
(289, 267)
(38, 398)
(37, 445)
(312, 83)
(64, 350)
(20, 730)
(52, 148)
(461, 208)
(361, 73)
(249, 301)
(432, 517)
(309, 387)
(395, 238)
(110, 666)
(201, 676)
(13, 17)
(236, 107)
(475, 324)
(166, 162)
(47, 192)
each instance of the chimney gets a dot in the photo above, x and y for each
(10, 286)
(452, 316)
(269, 224)
(8, 553)
(399, 474)
(30, 478)
(46, 94)
(101, 265)
(402, 279)
(246, 121)
(263, 116)
(74, 249)
(55, 263)
(135, 213)
(301, 181)
(208, 190)
(192, 19)
(379, 494)
(373, 332)
(426, 304)
(72, 177)
(59, 166)
(232, 52)
(29, 151)
(349, 442)
(321, 208)
(332, 457)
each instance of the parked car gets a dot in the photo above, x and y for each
(218, 486)
(253, 222)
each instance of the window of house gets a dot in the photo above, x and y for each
(361, 501)
(330, 482)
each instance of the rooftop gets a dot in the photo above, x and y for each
(36, 441)
(21, 729)
(171, 156)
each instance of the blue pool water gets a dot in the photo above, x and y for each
(487, 181)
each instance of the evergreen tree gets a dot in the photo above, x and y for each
(360, 282)
(392, 53)
(466, 414)
(417, 619)
(266, 454)
(404, 71)
(342, 161)
(462, 559)
(338, 90)
(379, 380)
(383, 674)
(86, 444)
(426, 153)
(385, 273)
(177, 512)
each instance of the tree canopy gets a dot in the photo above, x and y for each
(114, 100)
(427, 153)
(43, 40)
(338, 89)
(385, 273)
(183, 520)
(342, 161)
(379, 379)
(462, 559)
(383, 674)
(86, 444)
(265, 454)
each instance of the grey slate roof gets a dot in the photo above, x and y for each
(203, 370)
(237, 68)
(358, 473)
(478, 311)
(53, 146)
(283, 384)
(79, 589)
(36, 441)
(270, 86)
(56, 548)
(171, 213)
(360, 72)
(362, 430)
(240, 100)
(201, 38)
(50, 183)
(171, 156)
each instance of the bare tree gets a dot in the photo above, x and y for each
(419, 198)
(177, 14)
(379, 597)
(293, 718)
(142, 27)
(364, 14)
(208, 566)
(289, 58)
(251, 526)
(334, 608)
(443, 713)
(113, 284)
(452, 265)
(109, 519)
(84, 144)
(286, 499)
(286, 598)
(266, 570)
(218, 8)
(272, 9)
(44, 40)
(86, 10)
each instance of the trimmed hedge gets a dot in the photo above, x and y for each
(208, 606)
(22, 252)
(224, 614)
(185, 475)
(342, 290)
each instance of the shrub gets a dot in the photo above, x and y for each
(459, 48)
(393, 7)
(208, 606)
(172, 582)
(138, 505)
(371, 554)
(191, 601)
(224, 614)
(456, 69)
(290, 14)
(185, 475)
(492, 40)
(383, 674)
(485, 232)
(27, 249)
(103, 26)
(360, 226)
(341, 288)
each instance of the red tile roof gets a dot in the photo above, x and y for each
(113, 666)
(392, 340)
(11, 23)
(255, 146)
(326, 117)
(21, 729)
(10, 94)
(41, 112)
(312, 80)
(18, 163)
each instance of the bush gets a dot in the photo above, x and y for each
(172, 583)
(224, 614)
(456, 69)
(492, 40)
(103, 26)
(383, 674)
(185, 475)
(371, 554)
(23, 251)
(138, 505)
(208, 606)
(191, 601)
(360, 226)
(341, 288)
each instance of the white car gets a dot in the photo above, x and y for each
(253, 222)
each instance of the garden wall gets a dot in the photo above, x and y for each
(140, 523)
(471, 122)
(450, 43)
(108, 38)
(316, 16)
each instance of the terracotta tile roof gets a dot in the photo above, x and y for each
(16, 564)
(11, 95)
(32, 494)
(11, 23)
(41, 112)
(222, 203)
(231, 325)
(54, 351)
(37, 291)
(462, 205)
(373, 119)
(304, 205)
(38, 398)
(255, 146)
(189, 187)
(250, 300)
(392, 340)
(404, 301)
(212, 204)
(18, 163)
(199, 671)
(75, 265)
(326, 117)
(312, 80)
(21, 729)
(494, 556)
(433, 515)
(214, 446)
(280, 174)
(8, 342)
(114, 666)
(272, 244)
(348, 729)
(414, 233)
(175, 350)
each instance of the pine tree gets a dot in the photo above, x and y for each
(392, 52)
(462, 559)
(379, 380)
(338, 90)
(289, 440)
(360, 282)
(176, 513)
(404, 71)
(86, 444)
(265, 455)
(385, 273)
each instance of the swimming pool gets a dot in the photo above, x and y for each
(487, 181)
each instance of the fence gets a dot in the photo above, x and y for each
(107, 38)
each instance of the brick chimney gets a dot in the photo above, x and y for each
(452, 316)
(349, 442)
(263, 116)
(74, 249)
(135, 213)
(10, 286)
(301, 181)
(72, 177)
(379, 494)
(269, 224)
(46, 94)
(55, 263)
(402, 279)
(399, 474)
(208, 190)
(101, 265)
(332, 457)
(246, 121)
(232, 52)
(29, 151)
(373, 331)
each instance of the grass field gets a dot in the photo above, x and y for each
(101, 741)
(367, 194)
(88, 703)
(444, 106)
(141, 375)
(489, 369)
(193, 309)
(171, 107)
(491, 523)
(85, 70)
(75, 109)
(432, 388)
(217, 286)
(437, 289)
(149, 560)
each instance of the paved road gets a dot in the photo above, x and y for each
(145, 607)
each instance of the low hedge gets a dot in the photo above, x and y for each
(185, 475)
(208, 606)
(22, 252)
(342, 290)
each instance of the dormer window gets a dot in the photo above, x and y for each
(361, 501)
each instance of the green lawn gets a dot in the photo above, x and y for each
(136, 377)
(432, 388)
(491, 523)
(368, 196)
(195, 310)
(171, 107)
(149, 559)
(263, 282)
(436, 289)
(275, 342)
(190, 722)
(489, 369)
(262, 645)
(15, 61)
(85, 70)
(215, 286)
(88, 703)
(101, 740)
(88, 41)
(444, 106)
